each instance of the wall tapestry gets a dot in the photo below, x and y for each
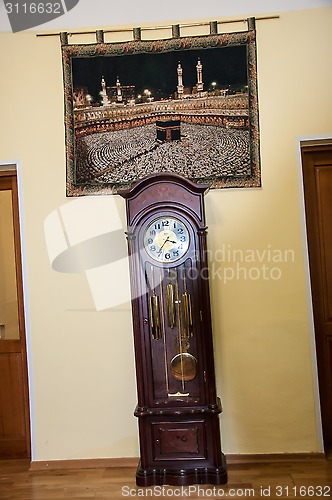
(185, 104)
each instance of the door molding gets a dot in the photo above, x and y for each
(12, 169)
(306, 143)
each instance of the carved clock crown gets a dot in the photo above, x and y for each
(165, 190)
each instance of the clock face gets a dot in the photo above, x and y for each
(166, 239)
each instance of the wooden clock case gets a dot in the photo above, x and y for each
(178, 415)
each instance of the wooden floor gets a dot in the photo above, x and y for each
(309, 478)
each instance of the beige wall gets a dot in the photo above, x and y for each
(81, 360)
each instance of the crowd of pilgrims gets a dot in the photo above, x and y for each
(123, 156)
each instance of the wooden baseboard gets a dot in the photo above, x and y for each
(256, 458)
(84, 463)
(241, 459)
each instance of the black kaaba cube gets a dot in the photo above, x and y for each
(168, 130)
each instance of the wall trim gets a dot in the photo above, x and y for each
(84, 463)
(130, 462)
(256, 458)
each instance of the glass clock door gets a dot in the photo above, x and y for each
(174, 332)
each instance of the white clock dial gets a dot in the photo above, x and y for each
(166, 239)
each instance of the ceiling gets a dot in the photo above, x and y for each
(99, 13)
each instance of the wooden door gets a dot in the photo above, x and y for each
(14, 409)
(317, 178)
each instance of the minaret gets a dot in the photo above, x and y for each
(200, 83)
(180, 82)
(118, 90)
(103, 93)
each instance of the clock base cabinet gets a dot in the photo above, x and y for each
(180, 451)
(178, 409)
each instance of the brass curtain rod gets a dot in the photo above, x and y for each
(150, 28)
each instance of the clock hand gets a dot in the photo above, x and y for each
(170, 241)
(167, 239)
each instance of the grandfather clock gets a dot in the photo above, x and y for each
(178, 410)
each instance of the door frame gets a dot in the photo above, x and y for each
(305, 143)
(11, 169)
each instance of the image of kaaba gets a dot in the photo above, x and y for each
(180, 111)
(168, 130)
